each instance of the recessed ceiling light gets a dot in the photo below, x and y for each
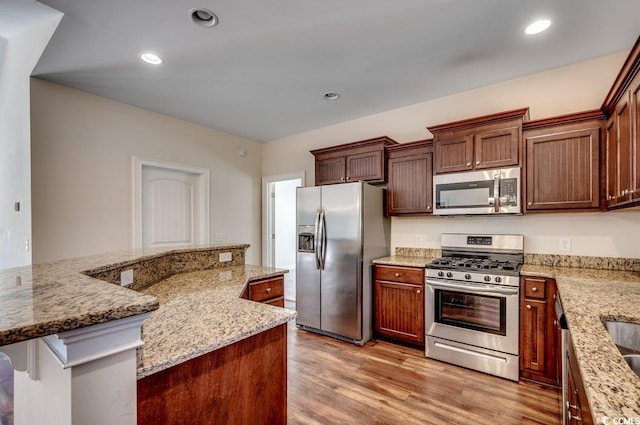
(151, 58)
(203, 17)
(538, 26)
(331, 96)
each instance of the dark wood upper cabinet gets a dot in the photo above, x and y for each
(410, 178)
(491, 141)
(622, 145)
(562, 163)
(364, 160)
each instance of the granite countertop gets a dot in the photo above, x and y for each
(49, 298)
(588, 297)
(405, 261)
(202, 311)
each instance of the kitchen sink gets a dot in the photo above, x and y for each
(626, 336)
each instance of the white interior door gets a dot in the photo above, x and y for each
(169, 208)
(171, 204)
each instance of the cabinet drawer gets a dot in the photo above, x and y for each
(535, 288)
(266, 289)
(400, 274)
(278, 302)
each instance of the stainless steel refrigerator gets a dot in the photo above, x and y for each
(340, 229)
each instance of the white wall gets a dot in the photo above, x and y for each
(564, 90)
(81, 161)
(285, 223)
(25, 30)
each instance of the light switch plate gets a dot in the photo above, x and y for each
(218, 237)
(126, 277)
(225, 256)
(418, 239)
(565, 245)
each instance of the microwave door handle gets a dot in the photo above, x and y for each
(496, 192)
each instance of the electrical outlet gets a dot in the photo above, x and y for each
(565, 245)
(218, 237)
(225, 256)
(126, 277)
(418, 239)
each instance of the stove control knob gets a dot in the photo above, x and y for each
(498, 279)
(440, 274)
(467, 276)
(487, 278)
(449, 274)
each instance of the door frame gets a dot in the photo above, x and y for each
(268, 213)
(203, 175)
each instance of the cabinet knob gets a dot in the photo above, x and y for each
(528, 307)
(418, 291)
(534, 289)
(555, 323)
(529, 203)
(468, 164)
(477, 162)
(396, 274)
(609, 198)
(341, 179)
(429, 207)
(348, 178)
(268, 290)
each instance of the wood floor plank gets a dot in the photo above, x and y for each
(334, 382)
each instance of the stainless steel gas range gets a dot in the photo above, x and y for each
(471, 303)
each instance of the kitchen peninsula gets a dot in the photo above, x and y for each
(79, 337)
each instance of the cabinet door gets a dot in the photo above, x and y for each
(635, 132)
(563, 170)
(368, 166)
(453, 154)
(578, 404)
(611, 162)
(533, 341)
(399, 311)
(496, 148)
(330, 170)
(410, 186)
(623, 118)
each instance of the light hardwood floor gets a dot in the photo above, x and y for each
(333, 382)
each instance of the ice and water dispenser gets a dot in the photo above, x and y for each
(306, 238)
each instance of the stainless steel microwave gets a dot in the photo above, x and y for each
(477, 192)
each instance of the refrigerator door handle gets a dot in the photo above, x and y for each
(323, 240)
(316, 237)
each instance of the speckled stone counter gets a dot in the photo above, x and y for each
(202, 311)
(398, 260)
(590, 296)
(45, 299)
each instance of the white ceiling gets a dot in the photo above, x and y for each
(262, 71)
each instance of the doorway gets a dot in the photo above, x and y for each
(171, 204)
(279, 228)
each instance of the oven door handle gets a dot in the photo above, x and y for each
(472, 288)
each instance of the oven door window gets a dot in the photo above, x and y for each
(482, 313)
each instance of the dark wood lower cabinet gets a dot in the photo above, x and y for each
(540, 358)
(243, 383)
(399, 303)
(577, 406)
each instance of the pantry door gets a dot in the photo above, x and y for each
(173, 204)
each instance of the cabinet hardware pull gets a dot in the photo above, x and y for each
(555, 323)
(529, 203)
(477, 162)
(575, 418)
(429, 207)
(468, 164)
(268, 290)
(528, 307)
(396, 274)
(341, 178)
(534, 289)
(418, 292)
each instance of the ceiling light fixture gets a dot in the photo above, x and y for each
(203, 17)
(151, 58)
(331, 96)
(538, 26)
